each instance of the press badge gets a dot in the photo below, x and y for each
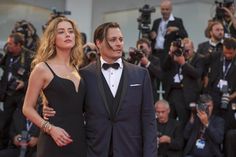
(222, 83)
(178, 78)
(200, 143)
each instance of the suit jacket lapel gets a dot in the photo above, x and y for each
(231, 69)
(100, 85)
(125, 85)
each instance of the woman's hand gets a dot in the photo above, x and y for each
(60, 136)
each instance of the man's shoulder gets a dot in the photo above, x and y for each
(204, 43)
(177, 18)
(133, 67)
(88, 69)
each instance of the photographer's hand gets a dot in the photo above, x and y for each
(16, 140)
(165, 139)
(229, 12)
(179, 59)
(33, 141)
(144, 61)
(172, 29)
(153, 35)
(20, 84)
(203, 117)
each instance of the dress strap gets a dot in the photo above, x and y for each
(77, 69)
(50, 68)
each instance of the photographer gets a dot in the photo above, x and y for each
(225, 13)
(24, 137)
(165, 30)
(13, 84)
(183, 70)
(204, 131)
(170, 138)
(222, 76)
(213, 45)
(90, 51)
(142, 56)
(222, 84)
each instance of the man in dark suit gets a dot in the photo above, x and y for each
(119, 110)
(215, 31)
(151, 62)
(222, 84)
(170, 138)
(205, 131)
(165, 30)
(183, 69)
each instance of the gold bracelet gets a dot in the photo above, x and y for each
(44, 124)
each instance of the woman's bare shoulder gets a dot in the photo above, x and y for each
(41, 69)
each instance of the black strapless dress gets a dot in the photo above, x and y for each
(68, 103)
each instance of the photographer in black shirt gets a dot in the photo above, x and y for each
(16, 68)
(142, 56)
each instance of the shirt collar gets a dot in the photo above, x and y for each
(171, 18)
(214, 44)
(117, 61)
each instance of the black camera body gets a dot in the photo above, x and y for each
(135, 55)
(12, 84)
(23, 139)
(180, 48)
(202, 107)
(198, 106)
(90, 54)
(24, 136)
(224, 97)
(220, 12)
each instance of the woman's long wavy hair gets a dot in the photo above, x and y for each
(47, 48)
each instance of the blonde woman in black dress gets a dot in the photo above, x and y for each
(55, 74)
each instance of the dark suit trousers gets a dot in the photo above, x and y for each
(178, 106)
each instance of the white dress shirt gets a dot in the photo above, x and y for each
(162, 32)
(112, 76)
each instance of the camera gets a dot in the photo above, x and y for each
(12, 84)
(135, 55)
(198, 106)
(180, 48)
(202, 107)
(90, 54)
(220, 12)
(23, 139)
(224, 97)
(145, 18)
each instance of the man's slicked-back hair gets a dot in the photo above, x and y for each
(101, 31)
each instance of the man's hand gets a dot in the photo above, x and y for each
(203, 117)
(144, 61)
(20, 84)
(16, 141)
(165, 139)
(33, 141)
(48, 112)
(172, 29)
(179, 59)
(153, 35)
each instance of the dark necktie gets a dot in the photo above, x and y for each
(105, 66)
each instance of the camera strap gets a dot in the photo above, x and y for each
(227, 26)
(226, 67)
(28, 124)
